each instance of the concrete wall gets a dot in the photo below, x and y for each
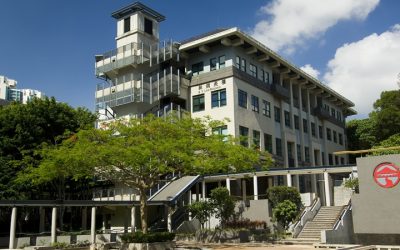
(343, 234)
(375, 209)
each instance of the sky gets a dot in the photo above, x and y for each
(353, 46)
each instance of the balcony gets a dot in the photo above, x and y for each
(139, 88)
(134, 54)
(280, 91)
(325, 115)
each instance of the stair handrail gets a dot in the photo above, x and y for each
(339, 218)
(310, 211)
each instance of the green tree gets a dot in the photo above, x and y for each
(392, 141)
(25, 129)
(202, 210)
(278, 194)
(137, 153)
(386, 115)
(223, 203)
(285, 212)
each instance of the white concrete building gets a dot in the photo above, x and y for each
(9, 92)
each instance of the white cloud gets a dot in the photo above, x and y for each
(310, 70)
(363, 69)
(288, 24)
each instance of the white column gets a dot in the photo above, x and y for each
(228, 184)
(203, 189)
(289, 179)
(327, 189)
(297, 182)
(42, 214)
(53, 225)
(244, 191)
(255, 187)
(13, 227)
(133, 219)
(190, 203)
(169, 219)
(93, 226)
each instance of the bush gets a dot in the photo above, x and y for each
(60, 245)
(279, 194)
(139, 237)
(248, 224)
(285, 212)
(223, 203)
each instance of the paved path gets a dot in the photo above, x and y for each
(244, 246)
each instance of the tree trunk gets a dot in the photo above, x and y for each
(143, 210)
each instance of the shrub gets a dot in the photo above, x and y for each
(202, 210)
(223, 203)
(246, 223)
(285, 212)
(279, 194)
(139, 237)
(60, 245)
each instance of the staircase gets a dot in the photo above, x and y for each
(324, 220)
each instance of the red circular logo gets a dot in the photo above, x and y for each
(387, 175)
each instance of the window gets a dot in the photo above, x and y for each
(127, 24)
(256, 139)
(213, 64)
(266, 108)
(237, 62)
(307, 154)
(253, 70)
(320, 131)
(296, 122)
(266, 77)
(242, 95)
(218, 98)
(278, 143)
(298, 152)
(148, 26)
(198, 103)
(268, 143)
(342, 160)
(336, 160)
(277, 114)
(222, 130)
(333, 112)
(305, 127)
(330, 159)
(339, 115)
(221, 61)
(323, 158)
(261, 75)
(340, 139)
(328, 134)
(287, 118)
(243, 64)
(197, 68)
(334, 136)
(254, 103)
(244, 133)
(313, 130)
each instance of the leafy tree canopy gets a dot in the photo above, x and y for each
(279, 194)
(285, 212)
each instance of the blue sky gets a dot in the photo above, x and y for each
(50, 45)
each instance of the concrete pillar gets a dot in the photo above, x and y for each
(255, 187)
(228, 184)
(84, 218)
(133, 219)
(297, 182)
(42, 215)
(270, 182)
(54, 225)
(190, 202)
(244, 191)
(169, 219)
(93, 226)
(314, 185)
(13, 228)
(203, 190)
(289, 179)
(327, 189)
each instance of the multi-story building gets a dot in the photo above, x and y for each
(223, 74)
(9, 92)
(226, 73)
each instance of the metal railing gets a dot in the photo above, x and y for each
(136, 53)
